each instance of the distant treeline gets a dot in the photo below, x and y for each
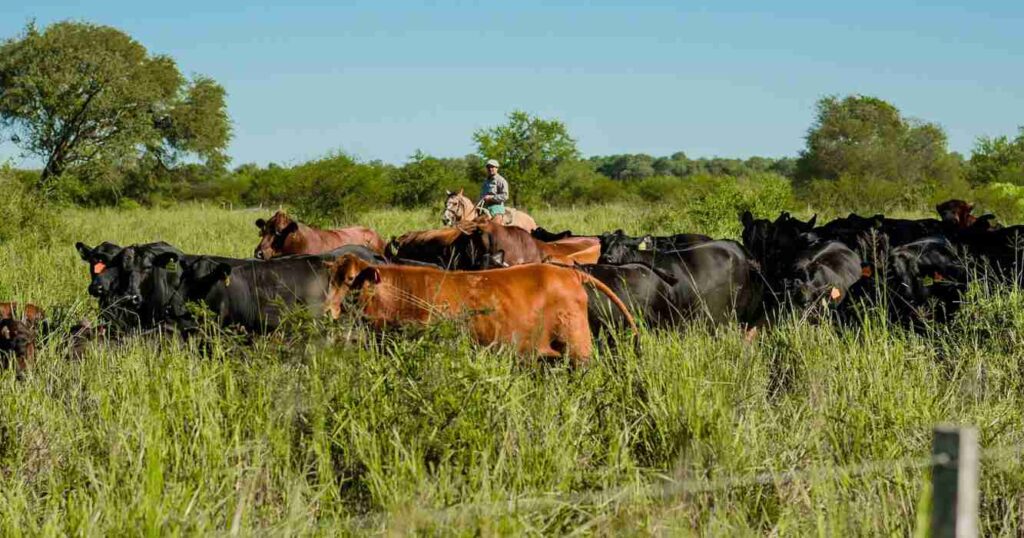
(117, 125)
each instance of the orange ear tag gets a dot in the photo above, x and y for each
(938, 277)
(865, 271)
(835, 294)
(99, 268)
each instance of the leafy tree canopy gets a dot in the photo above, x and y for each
(528, 148)
(867, 137)
(88, 97)
(998, 160)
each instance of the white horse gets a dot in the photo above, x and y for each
(459, 208)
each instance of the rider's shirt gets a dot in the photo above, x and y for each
(497, 187)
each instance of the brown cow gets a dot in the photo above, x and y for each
(956, 212)
(17, 338)
(482, 245)
(572, 250)
(22, 311)
(282, 236)
(540, 309)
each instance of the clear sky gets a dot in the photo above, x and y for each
(380, 79)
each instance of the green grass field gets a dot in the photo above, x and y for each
(328, 430)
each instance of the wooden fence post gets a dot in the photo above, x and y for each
(955, 482)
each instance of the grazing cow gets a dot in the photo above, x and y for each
(1001, 248)
(282, 236)
(715, 280)
(851, 229)
(250, 294)
(918, 282)
(798, 268)
(17, 340)
(646, 292)
(539, 308)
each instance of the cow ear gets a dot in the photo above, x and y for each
(260, 223)
(746, 218)
(814, 219)
(5, 332)
(83, 251)
(291, 228)
(448, 192)
(162, 260)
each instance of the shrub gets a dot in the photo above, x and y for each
(1005, 200)
(577, 183)
(24, 212)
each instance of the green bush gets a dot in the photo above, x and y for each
(25, 214)
(577, 183)
(1005, 200)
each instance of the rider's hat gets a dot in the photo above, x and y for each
(492, 162)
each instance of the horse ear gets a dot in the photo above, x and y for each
(460, 191)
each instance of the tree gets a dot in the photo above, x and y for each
(866, 137)
(424, 179)
(81, 95)
(528, 148)
(998, 160)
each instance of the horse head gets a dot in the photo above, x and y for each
(458, 208)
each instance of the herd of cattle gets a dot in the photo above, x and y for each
(543, 293)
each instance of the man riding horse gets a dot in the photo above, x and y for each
(494, 192)
(491, 205)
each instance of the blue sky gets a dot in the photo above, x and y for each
(381, 79)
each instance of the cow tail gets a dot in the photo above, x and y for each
(588, 279)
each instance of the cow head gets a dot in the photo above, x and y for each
(956, 212)
(197, 279)
(274, 234)
(148, 283)
(348, 274)
(18, 339)
(103, 271)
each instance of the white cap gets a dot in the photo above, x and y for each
(493, 163)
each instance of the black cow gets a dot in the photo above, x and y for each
(715, 280)
(619, 239)
(800, 269)
(851, 229)
(646, 291)
(918, 283)
(251, 294)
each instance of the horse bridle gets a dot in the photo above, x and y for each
(461, 214)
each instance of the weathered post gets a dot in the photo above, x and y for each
(955, 482)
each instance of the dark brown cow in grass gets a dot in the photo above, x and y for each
(282, 236)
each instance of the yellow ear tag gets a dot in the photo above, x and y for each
(835, 294)
(227, 281)
(928, 281)
(642, 245)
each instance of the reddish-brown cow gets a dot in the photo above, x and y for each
(22, 311)
(17, 338)
(538, 308)
(282, 236)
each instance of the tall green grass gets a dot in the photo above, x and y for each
(328, 428)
